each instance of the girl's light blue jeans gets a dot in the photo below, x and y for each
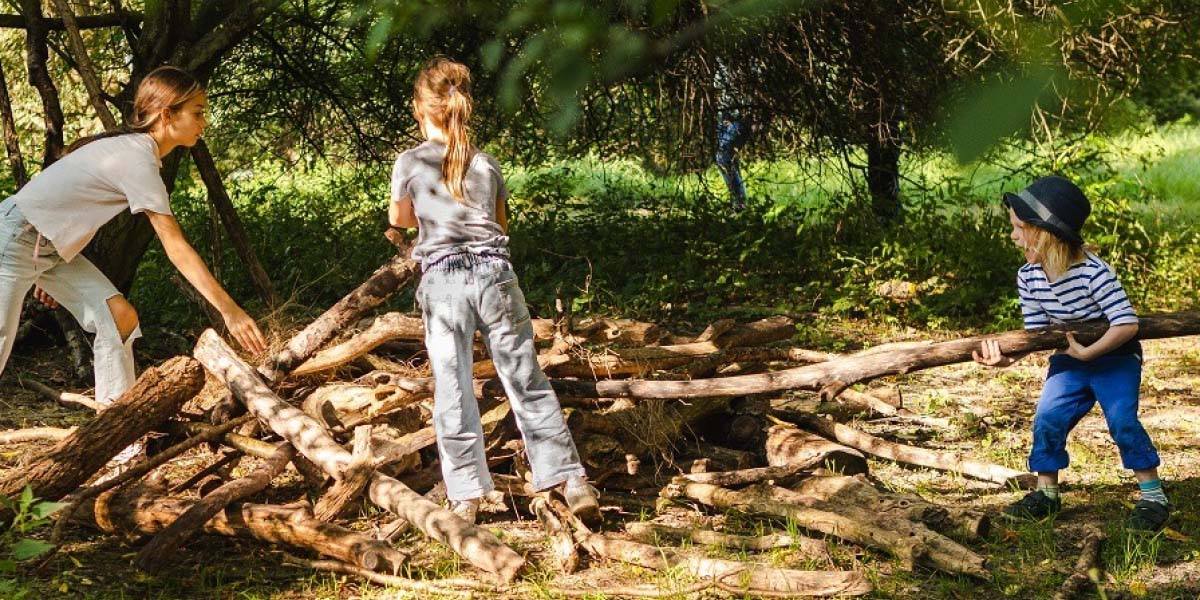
(459, 295)
(26, 258)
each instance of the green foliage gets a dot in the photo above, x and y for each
(28, 514)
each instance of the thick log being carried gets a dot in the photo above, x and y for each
(477, 545)
(154, 397)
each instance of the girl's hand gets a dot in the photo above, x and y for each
(1076, 350)
(44, 298)
(245, 330)
(989, 355)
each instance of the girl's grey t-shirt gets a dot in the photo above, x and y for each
(448, 226)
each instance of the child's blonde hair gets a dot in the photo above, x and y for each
(1055, 254)
(442, 94)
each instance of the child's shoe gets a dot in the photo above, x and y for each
(1035, 506)
(1149, 516)
(466, 509)
(582, 499)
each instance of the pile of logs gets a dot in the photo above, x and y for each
(657, 417)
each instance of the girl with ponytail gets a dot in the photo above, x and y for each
(45, 225)
(455, 195)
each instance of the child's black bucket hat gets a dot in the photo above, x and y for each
(1054, 204)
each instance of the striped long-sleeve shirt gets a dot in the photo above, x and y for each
(1089, 290)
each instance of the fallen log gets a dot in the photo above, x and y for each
(479, 546)
(652, 533)
(922, 457)
(380, 286)
(154, 397)
(913, 543)
(35, 434)
(963, 524)
(351, 483)
(164, 544)
(142, 511)
(1087, 566)
(788, 445)
(780, 475)
(730, 575)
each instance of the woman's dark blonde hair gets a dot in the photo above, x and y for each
(442, 94)
(165, 88)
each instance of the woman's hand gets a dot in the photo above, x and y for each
(245, 330)
(46, 300)
(989, 354)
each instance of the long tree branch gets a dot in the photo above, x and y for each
(86, 22)
(200, 57)
(83, 64)
(39, 77)
(11, 140)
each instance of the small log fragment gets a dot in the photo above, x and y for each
(162, 546)
(35, 434)
(142, 511)
(159, 393)
(562, 544)
(1087, 567)
(788, 445)
(347, 488)
(479, 546)
(922, 457)
(913, 543)
(779, 475)
(652, 533)
(67, 399)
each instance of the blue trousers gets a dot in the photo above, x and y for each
(1072, 388)
(731, 135)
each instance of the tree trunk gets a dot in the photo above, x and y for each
(12, 141)
(36, 55)
(883, 172)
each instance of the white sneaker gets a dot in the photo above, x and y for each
(466, 509)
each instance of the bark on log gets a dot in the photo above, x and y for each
(653, 533)
(343, 406)
(1089, 559)
(793, 446)
(730, 575)
(963, 524)
(162, 546)
(922, 457)
(154, 397)
(35, 434)
(351, 483)
(371, 293)
(913, 543)
(477, 545)
(143, 511)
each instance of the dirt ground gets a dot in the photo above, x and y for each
(991, 412)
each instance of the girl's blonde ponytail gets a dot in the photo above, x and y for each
(442, 93)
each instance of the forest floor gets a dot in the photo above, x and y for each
(991, 410)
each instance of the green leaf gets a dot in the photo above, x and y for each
(42, 510)
(995, 110)
(26, 497)
(26, 549)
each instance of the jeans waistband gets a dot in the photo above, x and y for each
(466, 260)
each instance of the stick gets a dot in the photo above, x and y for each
(352, 482)
(35, 434)
(63, 398)
(651, 533)
(943, 461)
(1088, 561)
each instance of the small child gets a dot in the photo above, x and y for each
(1063, 282)
(455, 195)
